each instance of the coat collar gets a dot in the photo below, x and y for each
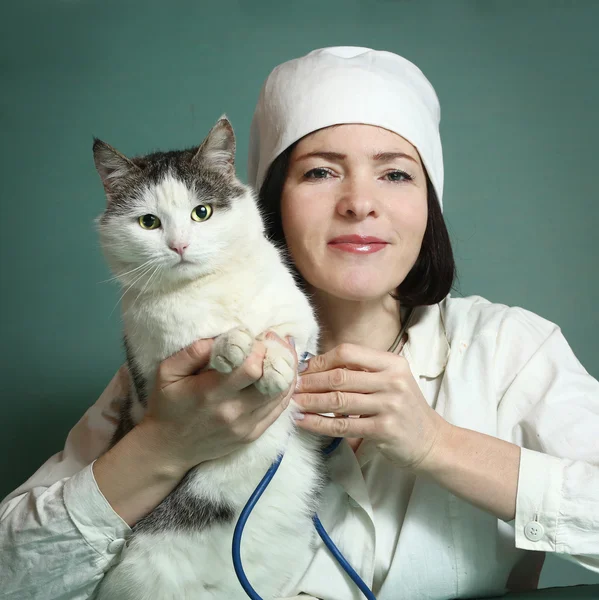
(427, 347)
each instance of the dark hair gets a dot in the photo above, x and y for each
(432, 276)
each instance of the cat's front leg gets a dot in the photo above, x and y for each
(278, 368)
(231, 349)
(234, 346)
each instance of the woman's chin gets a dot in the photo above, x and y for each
(357, 287)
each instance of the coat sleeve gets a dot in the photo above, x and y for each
(58, 534)
(550, 408)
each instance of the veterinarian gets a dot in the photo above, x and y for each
(477, 448)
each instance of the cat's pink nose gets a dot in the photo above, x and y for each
(178, 248)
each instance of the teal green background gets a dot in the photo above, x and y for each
(518, 85)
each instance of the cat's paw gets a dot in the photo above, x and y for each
(231, 349)
(278, 369)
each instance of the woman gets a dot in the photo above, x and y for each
(476, 449)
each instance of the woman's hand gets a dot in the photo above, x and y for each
(195, 416)
(192, 417)
(380, 388)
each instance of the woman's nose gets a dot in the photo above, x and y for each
(357, 199)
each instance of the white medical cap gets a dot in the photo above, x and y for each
(332, 86)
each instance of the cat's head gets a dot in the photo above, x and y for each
(174, 216)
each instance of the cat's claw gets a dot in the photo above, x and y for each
(231, 349)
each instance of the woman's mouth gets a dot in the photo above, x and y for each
(357, 244)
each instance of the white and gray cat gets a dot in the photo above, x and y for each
(186, 240)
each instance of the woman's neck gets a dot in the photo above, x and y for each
(373, 324)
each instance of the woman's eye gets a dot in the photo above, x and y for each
(149, 222)
(317, 173)
(398, 176)
(202, 212)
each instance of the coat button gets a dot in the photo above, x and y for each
(116, 546)
(534, 531)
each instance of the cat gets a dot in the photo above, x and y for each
(186, 240)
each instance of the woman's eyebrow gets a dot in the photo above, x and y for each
(332, 156)
(389, 156)
(338, 156)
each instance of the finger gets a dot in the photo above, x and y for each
(270, 411)
(245, 375)
(288, 342)
(339, 427)
(340, 403)
(265, 406)
(263, 424)
(340, 379)
(187, 361)
(264, 416)
(351, 356)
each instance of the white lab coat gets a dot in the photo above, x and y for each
(502, 371)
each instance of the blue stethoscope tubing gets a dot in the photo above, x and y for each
(245, 513)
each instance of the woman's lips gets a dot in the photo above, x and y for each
(357, 244)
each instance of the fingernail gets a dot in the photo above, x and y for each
(299, 416)
(302, 366)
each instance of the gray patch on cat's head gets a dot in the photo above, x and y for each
(207, 170)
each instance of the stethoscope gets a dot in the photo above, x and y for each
(245, 513)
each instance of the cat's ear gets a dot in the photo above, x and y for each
(217, 151)
(114, 168)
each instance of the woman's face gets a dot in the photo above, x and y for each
(354, 210)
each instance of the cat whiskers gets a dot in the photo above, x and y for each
(137, 278)
(156, 270)
(119, 275)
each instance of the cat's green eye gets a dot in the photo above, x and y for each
(149, 222)
(202, 212)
